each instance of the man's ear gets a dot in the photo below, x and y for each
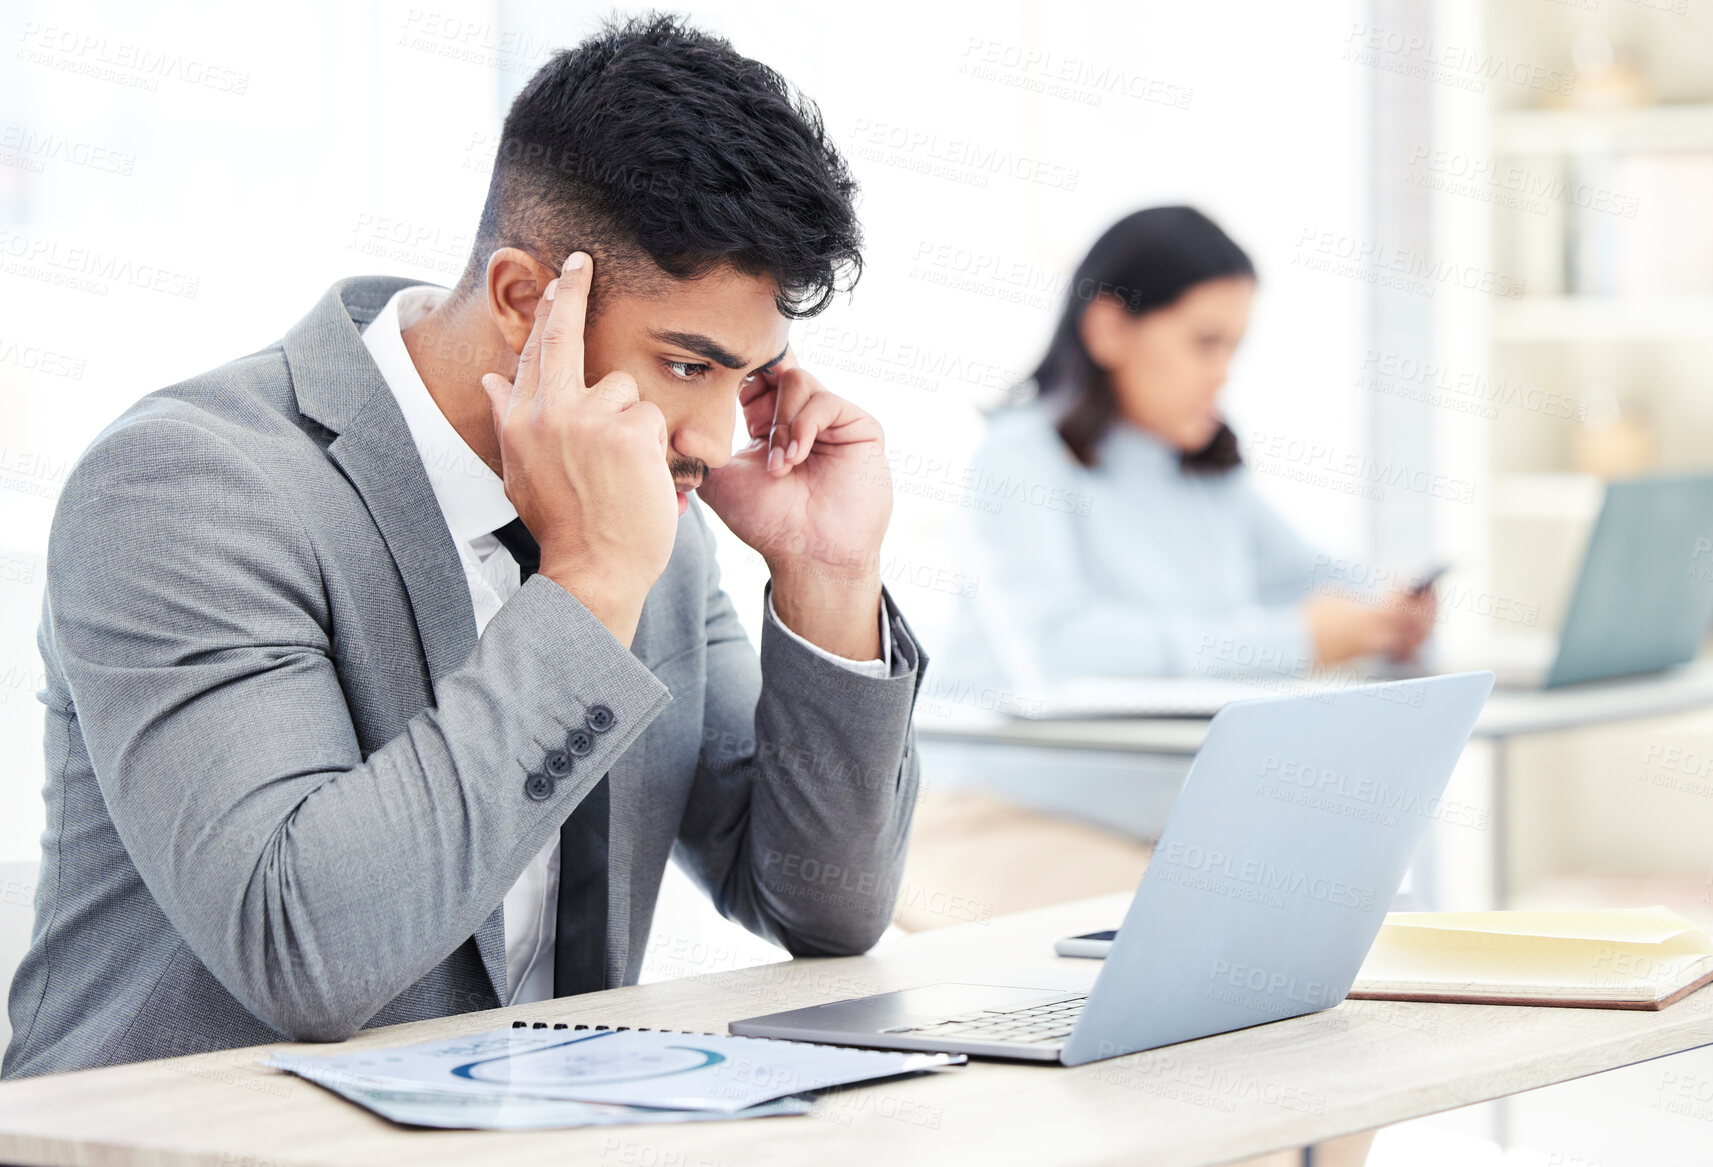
(515, 283)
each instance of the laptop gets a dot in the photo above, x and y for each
(1644, 599)
(1282, 854)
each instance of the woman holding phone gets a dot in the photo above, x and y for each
(1153, 553)
(1131, 541)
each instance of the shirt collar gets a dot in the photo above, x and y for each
(471, 496)
(1132, 446)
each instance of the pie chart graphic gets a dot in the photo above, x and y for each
(583, 1061)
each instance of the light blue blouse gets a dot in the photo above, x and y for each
(1131, 567)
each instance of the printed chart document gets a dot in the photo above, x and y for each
(1626, 958)
(507, 1111)
(625, 1067)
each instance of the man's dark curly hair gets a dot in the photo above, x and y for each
(657, 148)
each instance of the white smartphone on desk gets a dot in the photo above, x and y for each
(1094, 945)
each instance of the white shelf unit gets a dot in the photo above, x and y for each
(1578, 806)
(1572, 319)
(1684, 127)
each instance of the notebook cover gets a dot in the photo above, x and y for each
(1558, 1002)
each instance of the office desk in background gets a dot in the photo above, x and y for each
(1359, 1066)
(1125, 772)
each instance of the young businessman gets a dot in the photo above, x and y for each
(387, 666)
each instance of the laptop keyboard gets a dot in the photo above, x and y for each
(1031, 1026)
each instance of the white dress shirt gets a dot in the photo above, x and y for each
(473, 500)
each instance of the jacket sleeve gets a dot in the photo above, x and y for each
(800, 811)
(190, 616)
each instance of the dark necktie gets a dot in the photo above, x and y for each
(580, 940)
(515, 537)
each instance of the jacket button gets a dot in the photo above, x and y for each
(600, 718)
(558, 764)
(539, 787)
(579, 742)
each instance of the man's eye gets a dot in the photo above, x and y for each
(686, 370)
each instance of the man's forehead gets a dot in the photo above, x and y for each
(725, 317)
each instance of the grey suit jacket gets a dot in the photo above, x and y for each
(286, 781)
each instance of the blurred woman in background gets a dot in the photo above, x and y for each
(1156, 555)
(1131, 541)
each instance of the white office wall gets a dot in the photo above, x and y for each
(179, 182)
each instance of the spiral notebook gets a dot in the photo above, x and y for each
(656, 1068)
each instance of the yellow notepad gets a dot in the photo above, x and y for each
(1629, 958)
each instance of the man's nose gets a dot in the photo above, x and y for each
(707, 434)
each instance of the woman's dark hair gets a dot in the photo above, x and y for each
(1145, 261)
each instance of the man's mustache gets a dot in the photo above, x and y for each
(687, 472)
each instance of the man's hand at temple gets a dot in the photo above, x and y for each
(812, 494)
(585, 465)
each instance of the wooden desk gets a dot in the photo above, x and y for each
(1362, 1065)
(1508, 713)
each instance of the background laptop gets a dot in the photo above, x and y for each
(1292, 834)
(1644, 599)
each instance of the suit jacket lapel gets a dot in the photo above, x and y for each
(381, 461)
(339, 386)
(625, 792)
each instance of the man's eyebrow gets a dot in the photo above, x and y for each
(706, 346)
